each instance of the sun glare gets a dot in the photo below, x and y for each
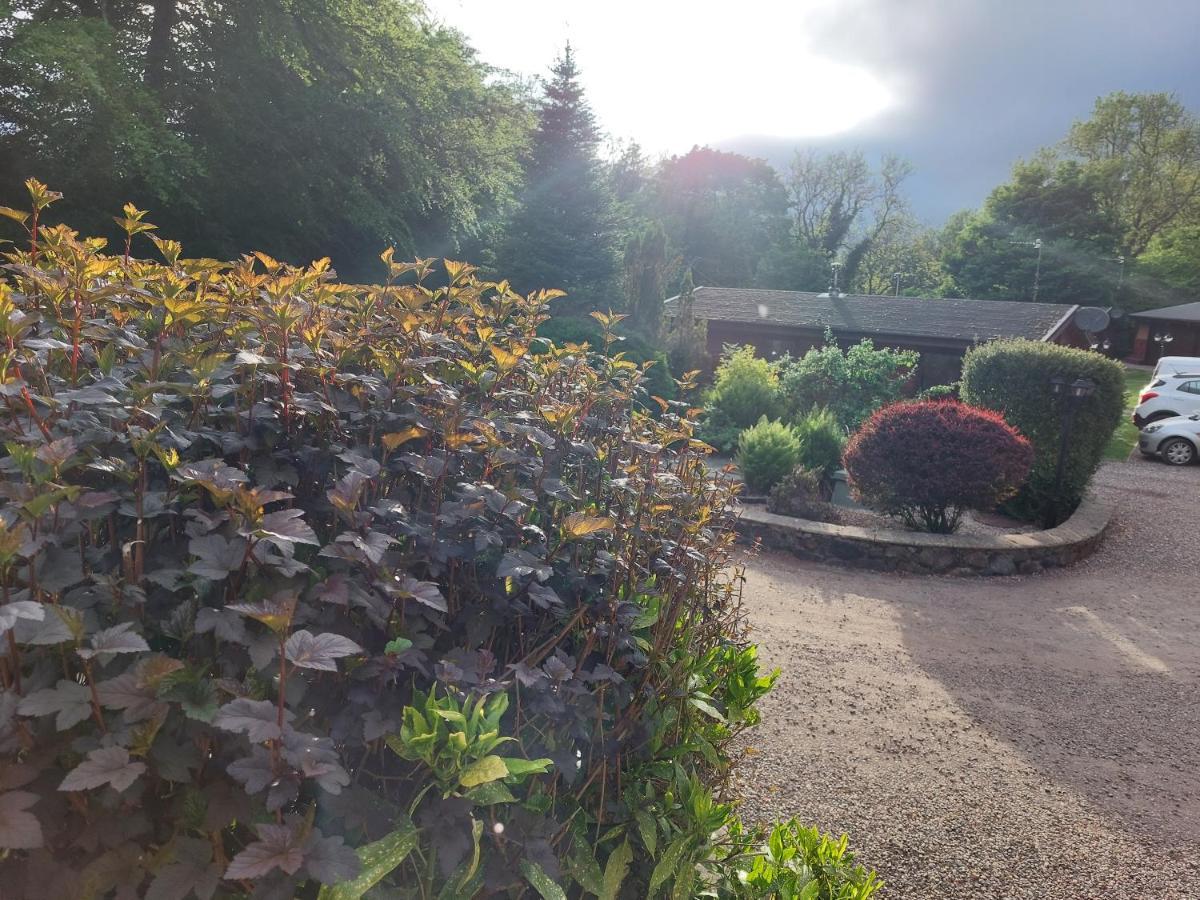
(670, 75)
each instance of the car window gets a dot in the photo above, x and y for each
(1190, 387)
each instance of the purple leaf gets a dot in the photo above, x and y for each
(213, 472)
(19, 830)
(191, 869)
(319, 651)
(20, 609)
(257, 719)
(333, 589)
(216, 556)
(107, 765)
(69, 700)
(254, 772)
(288, 526)
(118, 639)
(425, 592)
(329, 860)
(276, 848)
(125, 692)
(226, 624)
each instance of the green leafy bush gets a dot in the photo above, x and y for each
(940, 392)
(1013, 378)
(310, 587)
(930, 461)
(766, 453)
(851, 384)
(822, 441)
(801, 493)
(745, 388)
(793, 861)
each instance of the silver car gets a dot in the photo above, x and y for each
(1176, 440)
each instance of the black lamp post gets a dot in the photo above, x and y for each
(1162, 338)
(1071, 396)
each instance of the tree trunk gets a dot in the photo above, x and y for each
(158, 50)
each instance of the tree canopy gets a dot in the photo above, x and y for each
(563, 234)
(302, 127)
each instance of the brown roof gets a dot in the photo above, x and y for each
(955, 320)
(1184, 312)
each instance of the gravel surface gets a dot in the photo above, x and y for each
(1025, 737)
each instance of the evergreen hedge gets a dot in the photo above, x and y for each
(1013, 378)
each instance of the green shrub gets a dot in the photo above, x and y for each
(851, 384)
(766, 453)
(790, 860)
(822, 441)
(307, 583)
(940, 392)
(801, 493)
(928, 461)
(1013, 378)
(745, 388)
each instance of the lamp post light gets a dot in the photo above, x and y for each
(1072, 395)
(1162, 338)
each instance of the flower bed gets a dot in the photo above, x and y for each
(900, 550)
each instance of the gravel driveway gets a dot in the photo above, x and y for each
(1033, 737)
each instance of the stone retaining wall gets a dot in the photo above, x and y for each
(891, 550)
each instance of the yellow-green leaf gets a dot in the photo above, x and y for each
(15, 214)
(544, 884)
(615, 870)
(378, 859)
(489, 768)
(579, 525)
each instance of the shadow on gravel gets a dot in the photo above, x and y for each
(1091, 673)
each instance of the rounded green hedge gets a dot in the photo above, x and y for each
(1013, 378)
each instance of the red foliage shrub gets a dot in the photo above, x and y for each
(928, 461)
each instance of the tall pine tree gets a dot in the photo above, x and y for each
(562, 235)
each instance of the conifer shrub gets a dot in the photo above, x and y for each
(1013, 378)
(311, 589)
(822, 442)
(928, 462)
(745, 388)
(766, 453)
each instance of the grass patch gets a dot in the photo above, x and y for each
(1125, 438)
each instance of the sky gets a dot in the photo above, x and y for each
(961, 88)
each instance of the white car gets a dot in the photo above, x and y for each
(1176, 365)
(1167, 396)
(1176, 440)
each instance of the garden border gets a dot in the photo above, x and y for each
(892, 550)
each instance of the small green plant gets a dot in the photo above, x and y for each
(940, 392)
(766, 453)
(791, 862)
(822, 441)
(455, 740)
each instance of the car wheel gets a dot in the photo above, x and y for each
(1177, 451)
